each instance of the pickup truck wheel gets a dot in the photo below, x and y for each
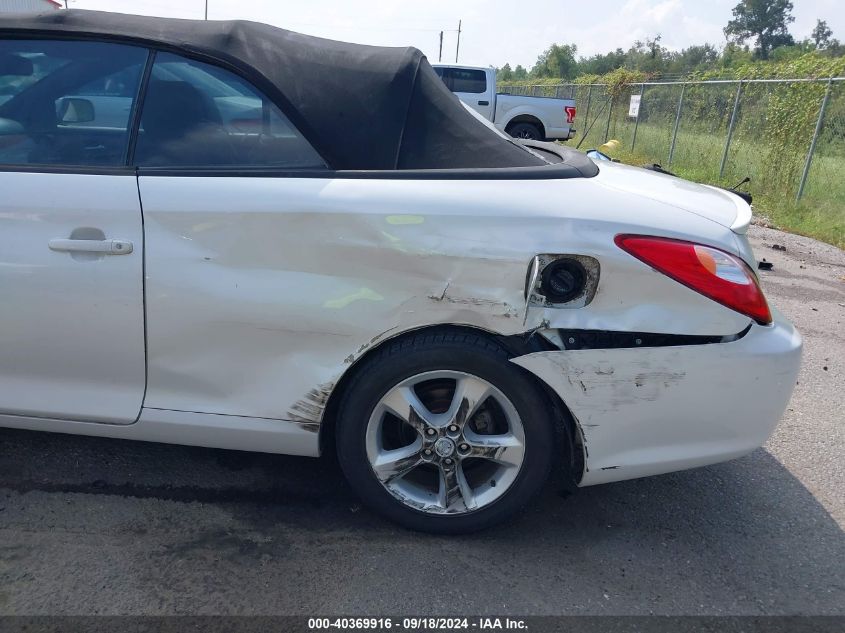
(526, 131)
(441, 433)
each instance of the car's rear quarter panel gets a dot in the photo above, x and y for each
(261, 292)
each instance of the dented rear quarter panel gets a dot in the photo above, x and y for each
(262, 292)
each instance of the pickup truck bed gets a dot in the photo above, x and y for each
(521, 116)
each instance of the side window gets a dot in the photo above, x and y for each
(466, 80)
(442, 76)
(55, 104)
(198, 115)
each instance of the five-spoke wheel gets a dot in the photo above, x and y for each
(443, 433)
(445, 442)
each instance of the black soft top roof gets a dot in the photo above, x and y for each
(362, 107)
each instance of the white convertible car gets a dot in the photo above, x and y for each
(225, 234)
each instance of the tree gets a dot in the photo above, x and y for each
(735, 55)
(653, 46)
(557, 61)
(823, 38)
(783, 54)
(505, 73)
(764, 20)
(519, 72)
(696, 57)
(821, 34)
(647, 56)
(601, 64)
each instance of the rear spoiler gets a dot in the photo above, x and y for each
(742, 194)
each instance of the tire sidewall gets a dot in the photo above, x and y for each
(517, 126)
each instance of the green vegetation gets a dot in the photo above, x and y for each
(763, 20)
(775, 121)
(819, 214)
(758, 31)
(770, 142)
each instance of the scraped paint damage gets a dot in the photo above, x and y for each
(497, 308)
(308, 412)
(641, 415)
(486, 313)
(499, 311)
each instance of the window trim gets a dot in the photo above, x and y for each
(557, 171)
(86, 170)
(542, 172)
(137, 109)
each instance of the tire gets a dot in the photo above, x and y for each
(526, 131)
(501, 453)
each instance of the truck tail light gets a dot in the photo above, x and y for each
(570, 113)
(716, 274)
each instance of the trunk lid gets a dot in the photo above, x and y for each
(713, 203)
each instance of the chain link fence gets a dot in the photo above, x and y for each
(788, 136)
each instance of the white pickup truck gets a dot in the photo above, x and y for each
(521, 116)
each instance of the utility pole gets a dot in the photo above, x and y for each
(206, 9)
(439, 57)
(458, 45)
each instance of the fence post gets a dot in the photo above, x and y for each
(637, 121)
(609, 114)
(677, 123)
(730, 130)
(587, 113)
(813, 142)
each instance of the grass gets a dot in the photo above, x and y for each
(821, 211)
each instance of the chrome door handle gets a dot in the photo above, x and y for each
(109, 247)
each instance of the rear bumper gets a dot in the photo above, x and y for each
(560, 134)
(657, 410)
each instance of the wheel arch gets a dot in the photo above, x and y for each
(570, 457)
(526, 118)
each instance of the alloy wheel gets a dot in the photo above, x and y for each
(445, 442)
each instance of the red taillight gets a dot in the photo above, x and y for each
(570, 113)
(716, 274)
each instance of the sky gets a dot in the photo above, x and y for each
(493, 31)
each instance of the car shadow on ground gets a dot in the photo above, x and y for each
(723, 538)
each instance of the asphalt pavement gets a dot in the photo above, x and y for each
(92, 526)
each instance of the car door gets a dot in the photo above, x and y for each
(71, 237)
(470, 85)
